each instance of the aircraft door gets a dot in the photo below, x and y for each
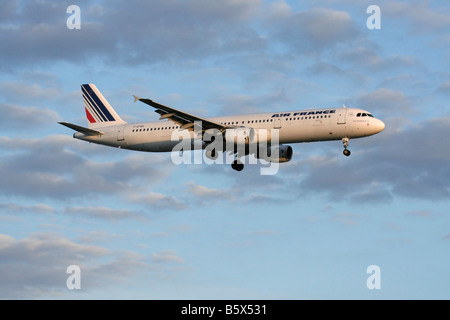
(120, 133)
(342, 115)
(277, 124)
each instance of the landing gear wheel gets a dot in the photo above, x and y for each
(237, 165)
(345, 142)
(212, 154)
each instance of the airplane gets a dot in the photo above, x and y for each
(106, 127)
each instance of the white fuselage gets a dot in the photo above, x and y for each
(294, 127)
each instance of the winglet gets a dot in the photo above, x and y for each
(136, 98)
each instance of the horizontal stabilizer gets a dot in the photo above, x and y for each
(136, 98)
(86, 131)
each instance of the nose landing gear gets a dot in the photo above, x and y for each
(345, 142)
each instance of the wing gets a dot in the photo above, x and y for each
(184, 119)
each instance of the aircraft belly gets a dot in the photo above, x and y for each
(167, 145)
(157, 146)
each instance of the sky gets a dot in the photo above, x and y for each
(139, 226)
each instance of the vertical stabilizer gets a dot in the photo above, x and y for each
(99, 112)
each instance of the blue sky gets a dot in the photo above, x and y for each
(140, 227)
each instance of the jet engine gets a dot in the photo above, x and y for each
(280, 153)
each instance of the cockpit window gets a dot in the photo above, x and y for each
(364, 115)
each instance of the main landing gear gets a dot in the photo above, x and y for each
(345, 142)
(237, 165)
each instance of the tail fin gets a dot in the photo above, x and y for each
(99, 112)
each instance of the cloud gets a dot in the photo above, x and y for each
(20, 92)
(346, 218)
(369, 59)
(155, 200)
(166, 256)
(98, 236)
(409, 162)
(421, 213)
(200, 191)
(25, 118)
(284, 92)
(261, 199)
(279, 10)
(36, 266)
(102, 213)
(139, 32)
(48, 167)
(403, 81)
(420, 15)
(205, 196)
(384, 101)
(327, 69)
(316, 30)
(444, 88)
(18, 208)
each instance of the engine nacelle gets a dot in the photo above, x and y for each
(241, 135)
(280, 153)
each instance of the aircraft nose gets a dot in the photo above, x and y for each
(380, 125)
